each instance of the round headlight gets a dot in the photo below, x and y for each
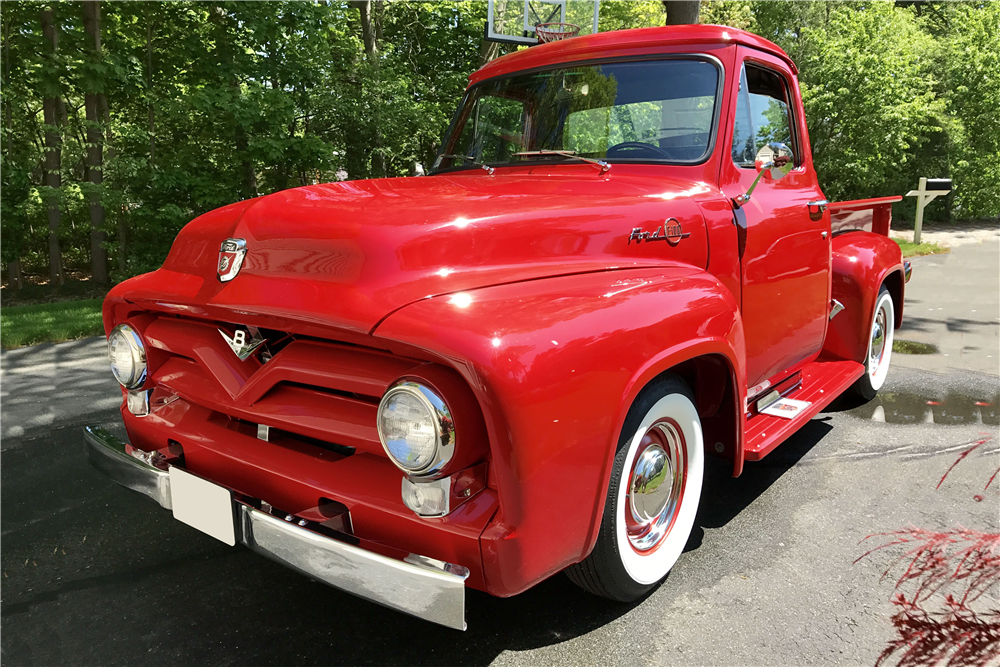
(416, 428)
(127, 355)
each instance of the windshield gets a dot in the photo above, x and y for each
(645, 111)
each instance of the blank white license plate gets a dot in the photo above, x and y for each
(203, 505)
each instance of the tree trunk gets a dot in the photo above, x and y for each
(682, 12)
(246, 163)
(490, 49)
(51, 166)
(95, 146)
(15, 280)
(14, 277)
(120, 220)
(227, 46)
(243, 149)
(370, 32)
(151, 112)
(367, 27)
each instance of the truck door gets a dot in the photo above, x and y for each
(785, 250)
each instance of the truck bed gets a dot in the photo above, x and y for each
(867, 215)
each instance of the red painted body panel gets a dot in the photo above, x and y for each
(821, 384)
(519, 294)
(786, 264)
(294, 476)
(555, 364)
(869, 215)
(624, 43)
(341, 256)
(862, 261)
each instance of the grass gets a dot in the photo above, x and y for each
(50, 322)
(913, 347)
(911, 249)
(31, 293)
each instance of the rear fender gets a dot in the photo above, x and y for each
(555, 365)
(862, 262)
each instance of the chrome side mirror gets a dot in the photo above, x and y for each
(775, 160)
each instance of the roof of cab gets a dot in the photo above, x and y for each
(623, 42)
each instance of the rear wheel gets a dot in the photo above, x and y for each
(880, 336)
(652, 497)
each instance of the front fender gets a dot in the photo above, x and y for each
(862, 261)
(555, 365)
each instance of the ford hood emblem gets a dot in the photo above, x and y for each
(231, 256)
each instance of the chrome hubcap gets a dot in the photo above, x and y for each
(877, 347)
(649, 492)
(655, 485)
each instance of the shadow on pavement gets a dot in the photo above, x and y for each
(725, 496)
(95, 575)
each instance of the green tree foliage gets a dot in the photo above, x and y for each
(972, 74)
(892, 92)
(869, 99)
(210, 102)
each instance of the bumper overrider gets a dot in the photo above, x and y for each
(423, 587)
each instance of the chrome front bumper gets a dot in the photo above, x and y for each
(420, 586)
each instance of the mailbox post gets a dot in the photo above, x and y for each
(928, 189)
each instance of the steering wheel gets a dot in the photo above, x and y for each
(629, 148)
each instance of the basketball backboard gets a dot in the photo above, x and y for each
(514, 21)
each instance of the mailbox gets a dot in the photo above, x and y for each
(939, 184)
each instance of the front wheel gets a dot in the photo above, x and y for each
(880, 337)
(652, 497)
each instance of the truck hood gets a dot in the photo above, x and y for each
(345, 255)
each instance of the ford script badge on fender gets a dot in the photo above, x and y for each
(231, 258)
(670, 231)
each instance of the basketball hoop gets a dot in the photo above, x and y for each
(553, 32)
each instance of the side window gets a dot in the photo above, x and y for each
(744, 146)
(762, 115)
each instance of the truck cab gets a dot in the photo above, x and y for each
(620, 263)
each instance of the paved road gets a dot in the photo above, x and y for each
(953, 302)
(94, 574)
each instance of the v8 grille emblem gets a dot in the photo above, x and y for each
(241, 344)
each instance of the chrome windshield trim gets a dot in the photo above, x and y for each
(713, 133)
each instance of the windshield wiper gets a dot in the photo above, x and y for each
(469, 158)
(605, 167)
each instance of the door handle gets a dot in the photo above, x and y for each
(816, 208)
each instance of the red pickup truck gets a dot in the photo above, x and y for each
(620, 263)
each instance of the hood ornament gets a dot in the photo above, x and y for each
(670, 231)
(241, 345)
(231, 255)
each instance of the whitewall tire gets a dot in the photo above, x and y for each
(653, 495)
(879, 347)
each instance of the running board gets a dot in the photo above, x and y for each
(822, 381)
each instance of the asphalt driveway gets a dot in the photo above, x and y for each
(94, 574)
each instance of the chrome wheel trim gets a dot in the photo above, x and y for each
(877, 345)
(880, 341)
(656, 485)
(651, 565)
